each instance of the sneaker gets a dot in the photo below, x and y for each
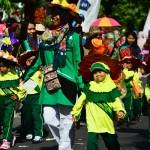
(29, 137)
(37, 139)
(5, 145)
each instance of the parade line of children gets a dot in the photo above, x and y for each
(45, 69)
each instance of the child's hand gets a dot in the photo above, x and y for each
(14, 97)
(120, 115)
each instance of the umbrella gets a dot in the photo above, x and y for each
(105, 22)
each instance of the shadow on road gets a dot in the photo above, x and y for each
(142, 145)
(49, 148)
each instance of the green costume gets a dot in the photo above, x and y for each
(130, 101)
(69, 76)
(9, 85)
(32, 120)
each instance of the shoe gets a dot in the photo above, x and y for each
(5, 145)
(29, 137)
(37, 139)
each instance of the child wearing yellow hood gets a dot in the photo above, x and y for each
(102, 102)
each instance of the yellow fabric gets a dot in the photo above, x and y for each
(128, 73)
(11, 75)
(136, 82)
(97, 120)
(60, 2)
(19, 91)
(105, 86)
(147, 93)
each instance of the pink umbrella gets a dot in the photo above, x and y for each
(105, 22)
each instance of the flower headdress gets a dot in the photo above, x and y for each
(85, 65)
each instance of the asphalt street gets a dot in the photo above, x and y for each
(133, 138)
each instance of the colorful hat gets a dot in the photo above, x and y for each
(43, 14)
(125, 51)
(39, 27)
(86, 66)
(100, 66)
(25, 56)
(7, 59)
(6, 44)
(134, 61)
(96, 42)
(2, 29)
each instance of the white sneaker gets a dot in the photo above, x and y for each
(37, 139)
(29, 137)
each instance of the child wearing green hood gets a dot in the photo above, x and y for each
(102, 102)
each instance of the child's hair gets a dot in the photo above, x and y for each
(133, 34)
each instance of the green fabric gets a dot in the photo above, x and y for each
(99, 66)
(99, 97)
(26, 46)
(32, 120)
(7, 107)
(137, 107)
(9, 83)
(92, 141)
(110, 141)
(70, 71)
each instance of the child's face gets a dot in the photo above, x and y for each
(56, 20)
(31, 29)
(30, 60)
(130, 39)
(127, 65)
(99, 76)
(3, 69)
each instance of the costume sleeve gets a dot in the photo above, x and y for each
(77, 58)
(118, 105)
(76, 111)
(35, 67)
(20, 92)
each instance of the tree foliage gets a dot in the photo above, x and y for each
(132, 14)
(6, 5)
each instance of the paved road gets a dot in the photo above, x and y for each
(134, 138)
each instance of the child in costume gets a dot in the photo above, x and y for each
(10, 93)
(147, 94)
(133, 86)
(32, 121)
(101, 99)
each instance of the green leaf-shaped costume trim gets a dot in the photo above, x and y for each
(100, 97)
(9, 83)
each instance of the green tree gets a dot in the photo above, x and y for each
(130, 13)
(6, 5)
